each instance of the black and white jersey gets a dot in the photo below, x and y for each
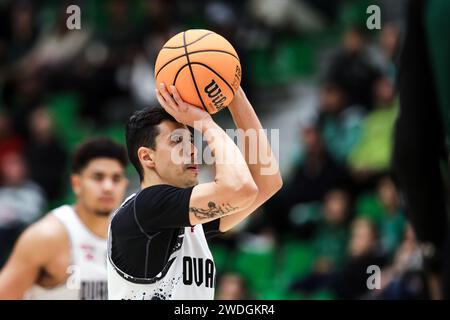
(154, 252)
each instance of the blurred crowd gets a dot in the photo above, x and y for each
(339, 211)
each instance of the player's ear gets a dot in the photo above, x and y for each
(75, 182)
(146, 157)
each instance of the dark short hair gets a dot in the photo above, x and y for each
(97, 148)
(142, 130)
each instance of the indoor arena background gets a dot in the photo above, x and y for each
(311, 68)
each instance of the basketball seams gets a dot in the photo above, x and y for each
(192, 73)
(194, 52)
(178, 72)
(204, 65)
(216, 73)
(184, 41)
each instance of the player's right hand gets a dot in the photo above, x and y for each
(183, 112)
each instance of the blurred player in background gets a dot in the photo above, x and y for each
(157, 241)
(423, 135)
(63, 255)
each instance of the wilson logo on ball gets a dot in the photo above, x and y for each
(215, 93)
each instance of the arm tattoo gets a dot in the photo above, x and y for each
(213, 211)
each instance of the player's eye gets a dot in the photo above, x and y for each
(98, 177)
(117, 178)
(177, 139)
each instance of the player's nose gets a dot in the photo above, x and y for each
(108, 185)
(193, 151)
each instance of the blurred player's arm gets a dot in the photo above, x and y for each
(30, 254)
(233, 188)
(264, 170)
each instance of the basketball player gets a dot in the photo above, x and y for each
(157, 244)
(422, 136)
(63, 255)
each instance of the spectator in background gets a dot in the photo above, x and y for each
(349, 281)
(372, 153)
(232, 287)
(20, 32)
(330, 240)
(404, 278)
(159, 19)
(383, 208)
(339, 122)
(44, 66)
(21, 201)
(352, 69)
(297, 15)
(3, 35)
(120, 30)
(156, 28)
(22, 93)
(45, 155)
(316, 173)
(9, 140)
(328, 10)
(364, 249)
(56, 49)
(113, 49)
(222, 18)
(386, 48)
(51, 62)
(393, 221)
(23, 30)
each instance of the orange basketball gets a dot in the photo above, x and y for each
(203, 66)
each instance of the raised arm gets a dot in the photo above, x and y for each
(259, 157)
(233, 188)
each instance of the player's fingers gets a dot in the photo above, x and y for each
(166, 98)
(166, 95)
(182, 105)
(176, 96)
(160, 98)
(166, 106)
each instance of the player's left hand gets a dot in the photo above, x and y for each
(182, 111)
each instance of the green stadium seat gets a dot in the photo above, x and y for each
(115, 132)
(296, 260)
(322, 295)
(294, 58)
(64, 108)
(354, 13)
(221, 256)
(259, 67)
(257, 268)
